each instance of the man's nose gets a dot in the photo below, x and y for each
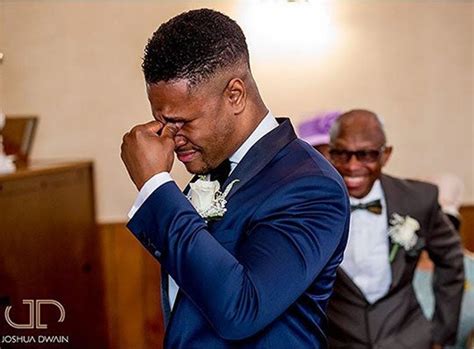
(179, 140)
(353, 164)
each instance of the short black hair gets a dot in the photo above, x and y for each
(193, 46)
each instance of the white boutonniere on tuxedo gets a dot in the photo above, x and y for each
(402, 232)
(207, 199)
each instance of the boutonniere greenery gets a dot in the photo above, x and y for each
(207, 199)
(402, 232)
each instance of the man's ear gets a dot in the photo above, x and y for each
(387, 152)
(236, 94)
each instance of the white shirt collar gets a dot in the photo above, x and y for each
(376, 193)
(266, 125)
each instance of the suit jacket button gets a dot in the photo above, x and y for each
(157, 254)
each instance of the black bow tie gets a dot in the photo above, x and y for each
(221, 172)
(373, 207)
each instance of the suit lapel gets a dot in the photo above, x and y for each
(394, 205)
(260, 154)
(343, 278)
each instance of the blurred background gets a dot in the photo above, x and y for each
(76, 66)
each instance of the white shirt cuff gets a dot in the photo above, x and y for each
(148, 188)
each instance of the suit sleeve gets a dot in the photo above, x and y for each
(444, 248)
(293, 235)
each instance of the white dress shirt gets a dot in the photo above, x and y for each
(266, 125)
(366, 258)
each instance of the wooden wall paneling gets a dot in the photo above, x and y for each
(467, 226)
(132, 290)
(154, 324)
(107, 243)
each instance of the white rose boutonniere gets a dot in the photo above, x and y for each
(402, 232)
(207, 199)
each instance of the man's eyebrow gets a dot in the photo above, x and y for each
(174, 119)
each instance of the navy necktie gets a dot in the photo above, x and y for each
(372, 206)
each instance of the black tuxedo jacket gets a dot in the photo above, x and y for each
(396, 320)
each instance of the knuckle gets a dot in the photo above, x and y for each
(136, 130)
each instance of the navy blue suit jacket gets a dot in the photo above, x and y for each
(261, 276)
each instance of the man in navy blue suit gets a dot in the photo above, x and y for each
(254, 251)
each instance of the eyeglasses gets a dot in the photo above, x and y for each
(365, 156)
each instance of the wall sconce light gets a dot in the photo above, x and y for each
(288, 28)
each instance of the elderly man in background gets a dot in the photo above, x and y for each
(392, 221)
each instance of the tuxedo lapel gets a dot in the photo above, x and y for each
(260, 154)
(343, 278)
(394, 205)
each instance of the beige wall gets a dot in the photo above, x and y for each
(77, 65)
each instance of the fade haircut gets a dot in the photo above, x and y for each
(194, 46)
